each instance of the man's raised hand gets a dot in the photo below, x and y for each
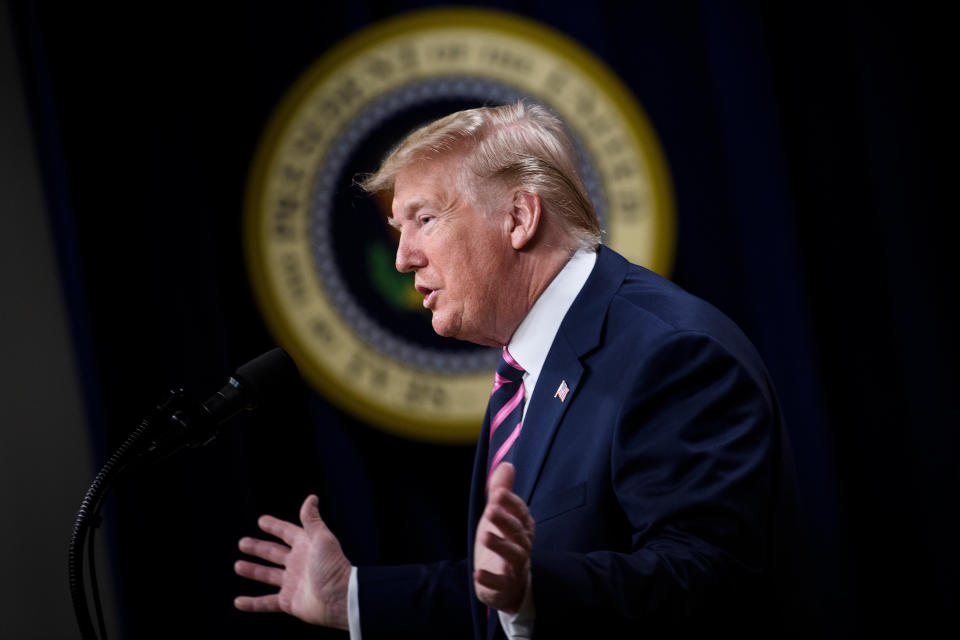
(313, 574)
(501, 557)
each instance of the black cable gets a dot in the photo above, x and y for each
(94, 586)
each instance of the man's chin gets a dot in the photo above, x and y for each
(454, 330)
(442, 326)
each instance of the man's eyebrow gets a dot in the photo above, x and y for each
(409, 210)
(393, 222)
(413, 206)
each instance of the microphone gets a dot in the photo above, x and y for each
(262, 382)
(256, 384)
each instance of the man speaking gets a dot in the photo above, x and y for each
(629, 474)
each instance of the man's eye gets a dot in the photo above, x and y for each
(425, 219)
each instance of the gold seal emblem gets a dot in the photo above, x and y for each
(319, 254)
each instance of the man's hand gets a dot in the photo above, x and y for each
(313, 575)
(501, 555)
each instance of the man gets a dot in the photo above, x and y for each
(630, 460)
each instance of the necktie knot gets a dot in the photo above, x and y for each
(509, 370)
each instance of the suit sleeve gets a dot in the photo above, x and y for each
(415, 601)
(691, 468)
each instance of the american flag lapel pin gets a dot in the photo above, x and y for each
(562, 391)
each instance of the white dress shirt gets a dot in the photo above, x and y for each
(529, 346)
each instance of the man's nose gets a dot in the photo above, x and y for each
(409, 255)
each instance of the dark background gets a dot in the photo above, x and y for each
(806, 147)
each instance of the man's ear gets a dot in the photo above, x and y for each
(524, 219)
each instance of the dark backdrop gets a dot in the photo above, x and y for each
(803, 144)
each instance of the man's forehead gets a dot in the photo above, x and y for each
(404, 207)
(423, 184)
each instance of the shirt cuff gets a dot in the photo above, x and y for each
(353, 605)
(519, 625)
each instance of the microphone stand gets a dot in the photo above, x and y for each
(175, 423)
(154, 439)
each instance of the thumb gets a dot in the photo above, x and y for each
(309, 514)
(502, 477)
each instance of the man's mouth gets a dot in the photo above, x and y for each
(429, 295)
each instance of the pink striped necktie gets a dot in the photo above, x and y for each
(506, 411)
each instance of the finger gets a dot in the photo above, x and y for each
(286, 531)
(309, 514)
(509, 501)
(515, 554)
(509, 525)
(259, 604)
(502, 478)
(258, 572)
(269, 551)
(492, 581)
(504, 593)
(515, 505)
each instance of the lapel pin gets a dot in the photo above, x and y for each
(562, 391)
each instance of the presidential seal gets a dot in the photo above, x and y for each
(319, 251)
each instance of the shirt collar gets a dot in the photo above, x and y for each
(533, 338)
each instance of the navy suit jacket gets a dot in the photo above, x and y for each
(658, 485)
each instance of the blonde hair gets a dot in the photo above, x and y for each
(520, 145)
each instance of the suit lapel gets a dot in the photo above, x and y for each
(543, 417)
(579, 333)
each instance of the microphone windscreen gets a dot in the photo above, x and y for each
(267, 377)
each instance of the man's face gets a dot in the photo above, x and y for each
(458, 248)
